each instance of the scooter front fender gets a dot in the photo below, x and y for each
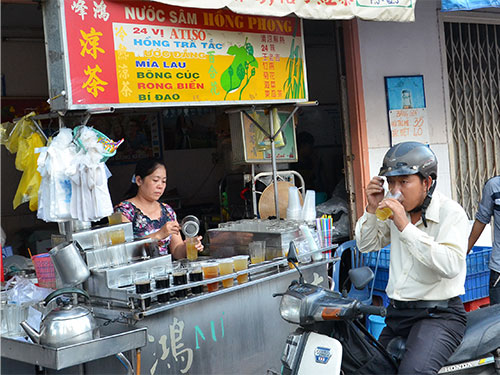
(308, 353)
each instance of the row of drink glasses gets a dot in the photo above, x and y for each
(163, 277)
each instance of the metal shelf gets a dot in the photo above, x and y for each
(71, 355)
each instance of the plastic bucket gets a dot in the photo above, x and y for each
(45, 271)
(375, 325)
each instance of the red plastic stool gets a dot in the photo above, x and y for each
(476, 304)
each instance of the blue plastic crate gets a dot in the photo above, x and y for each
(478, 259)
(476, 286)
(382, 274)
(381, 279)
(476, 282)
(371, 258)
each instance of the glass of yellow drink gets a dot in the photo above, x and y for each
(257, 251)
(211, 270)
(115, 218)
(240, 264)
(226, 268)
(385, 213)
(191, 251)
(117, 236)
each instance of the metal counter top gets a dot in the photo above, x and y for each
(71, 355)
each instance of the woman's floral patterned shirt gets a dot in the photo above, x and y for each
(144, 226)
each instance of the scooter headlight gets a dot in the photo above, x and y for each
(290, 308)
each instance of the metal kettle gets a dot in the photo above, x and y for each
(65, 325)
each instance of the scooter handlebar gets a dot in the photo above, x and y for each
(372, 310)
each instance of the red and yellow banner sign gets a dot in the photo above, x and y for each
(128, 54)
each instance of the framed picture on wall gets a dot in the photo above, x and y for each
(140, 131)
(251, 145)
(406, 108)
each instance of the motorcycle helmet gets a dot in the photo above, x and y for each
(409, 158)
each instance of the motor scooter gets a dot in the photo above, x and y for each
(331, 338)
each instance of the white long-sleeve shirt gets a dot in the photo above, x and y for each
(425, 263)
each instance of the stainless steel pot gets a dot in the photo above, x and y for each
(66, 325)
(69, 263)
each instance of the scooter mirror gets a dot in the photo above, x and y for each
(292, 253)
(360, 277)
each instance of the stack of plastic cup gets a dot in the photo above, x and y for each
(309, 208)
(294, 209)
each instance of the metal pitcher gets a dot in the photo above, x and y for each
(66, 325)
(69, 263)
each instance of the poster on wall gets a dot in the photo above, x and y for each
(136, 54)
(251, 145)
(406, 105)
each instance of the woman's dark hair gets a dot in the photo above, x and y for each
(143, 169)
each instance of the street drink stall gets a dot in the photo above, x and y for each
(214, 323)
(120, 304)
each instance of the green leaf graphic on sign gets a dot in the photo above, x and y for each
(294, 85)
(234, 75)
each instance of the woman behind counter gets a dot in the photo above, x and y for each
(150, 218)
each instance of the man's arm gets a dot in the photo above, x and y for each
(476, 231)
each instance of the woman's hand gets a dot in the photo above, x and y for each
(170, 228)
(199, 246)
(374, 193)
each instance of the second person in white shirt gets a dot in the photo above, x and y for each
(428, 236)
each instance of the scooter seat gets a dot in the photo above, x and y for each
(482, 335)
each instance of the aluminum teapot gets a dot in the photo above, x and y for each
(66, 325)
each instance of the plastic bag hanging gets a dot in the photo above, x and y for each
(55, 189)
(24, 139)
